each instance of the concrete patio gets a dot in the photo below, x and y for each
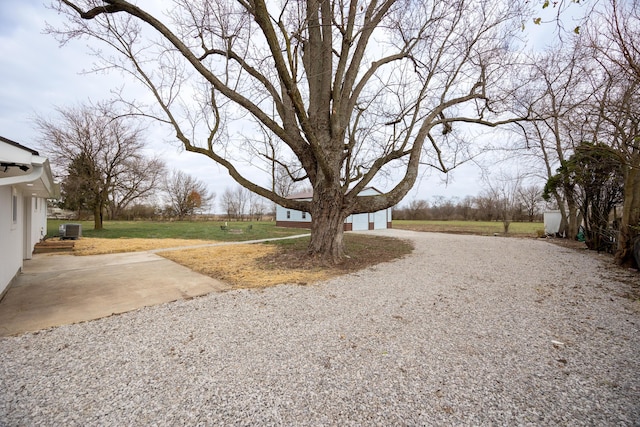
(56, 290)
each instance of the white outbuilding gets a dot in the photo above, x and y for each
(26, 183)
(552, 222)
(356, 222)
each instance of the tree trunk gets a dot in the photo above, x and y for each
(572, 220)
(100, 207)
(97, 216)
(565, 226)
(630, 219)
(565, 218)
(327, 226)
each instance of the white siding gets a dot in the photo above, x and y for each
(280, 213)
(23, 209)
(359, 222)
(11, 235)
(38, 223)
(293, 215)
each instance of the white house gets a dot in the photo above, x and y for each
(355, 222)
(26, 183)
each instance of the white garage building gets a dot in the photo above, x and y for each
(357, 222)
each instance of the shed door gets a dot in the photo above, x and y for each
(360, 222)
(380, 220)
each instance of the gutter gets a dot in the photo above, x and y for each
(34, 175)
(39, 171)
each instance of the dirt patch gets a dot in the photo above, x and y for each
(362, 251)
(628, 276)
(568, 243)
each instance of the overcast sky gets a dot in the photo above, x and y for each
(38, 75)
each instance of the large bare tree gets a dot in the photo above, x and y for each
(353, 91)
(614, 38)
(560, 95)
(109, 150)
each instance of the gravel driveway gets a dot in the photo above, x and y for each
(467, 330)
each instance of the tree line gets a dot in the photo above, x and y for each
(526, 205)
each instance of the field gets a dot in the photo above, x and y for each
(197, 230)
(485, 228)
(239, 231)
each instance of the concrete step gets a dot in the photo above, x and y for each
(48, 246)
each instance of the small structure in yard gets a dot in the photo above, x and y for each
(227, 229)
(552, 222)
(26, 183)
(70, 231)
(356, 222)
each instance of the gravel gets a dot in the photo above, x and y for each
(467, 330)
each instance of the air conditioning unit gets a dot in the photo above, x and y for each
(70, 231)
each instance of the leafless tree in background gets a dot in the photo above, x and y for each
(530, 197)
(110, 149)
(186, 195)
(234, 202)
(141, 181)
(504, 189)
(559, 92)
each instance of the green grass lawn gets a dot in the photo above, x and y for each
(471, 227)
(205, 230)
(210, 230)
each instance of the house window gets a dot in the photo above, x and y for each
(288, 214)
(14, 207)
(304, 215)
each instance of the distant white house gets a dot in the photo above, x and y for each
(26, 183)
(356, 222)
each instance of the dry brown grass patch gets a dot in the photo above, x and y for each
(99, 246)
(244, 266)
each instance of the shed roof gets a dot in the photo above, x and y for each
(308, 194)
